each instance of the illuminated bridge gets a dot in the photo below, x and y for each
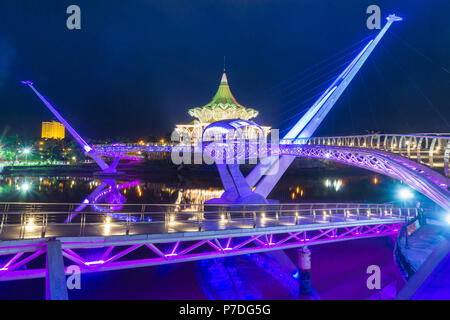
(421, 161)
(48, 239)
(154, 234)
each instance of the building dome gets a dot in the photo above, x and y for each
(223, 106)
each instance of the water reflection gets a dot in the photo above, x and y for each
(102, 194)
(332, 186)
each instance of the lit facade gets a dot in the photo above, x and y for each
(53, 130)
(223, 106)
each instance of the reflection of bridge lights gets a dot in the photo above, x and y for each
(336, 184)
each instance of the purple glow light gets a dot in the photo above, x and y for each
(89, 263)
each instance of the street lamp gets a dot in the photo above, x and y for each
(26, 152)
(405, 194)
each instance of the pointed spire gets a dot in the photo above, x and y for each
(222, 106)
(224, 78)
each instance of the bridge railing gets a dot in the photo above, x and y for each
(37, 220)
(432, 150)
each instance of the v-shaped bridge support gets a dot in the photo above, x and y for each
(266, 174)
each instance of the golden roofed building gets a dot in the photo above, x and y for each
(223, 106)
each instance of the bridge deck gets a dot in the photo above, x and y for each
(223, 228)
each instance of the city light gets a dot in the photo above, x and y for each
(447, 218)
(30, 221)
(405, 194)
(26, 151)
(25, 187)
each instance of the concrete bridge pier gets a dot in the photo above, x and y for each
(304, 271)
(55, 278)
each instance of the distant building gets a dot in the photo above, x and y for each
(223, 106)
(53, 130)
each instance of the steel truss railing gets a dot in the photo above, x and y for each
(37, 220)
(95, 255)
(432, 150)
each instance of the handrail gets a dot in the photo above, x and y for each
(40, 224)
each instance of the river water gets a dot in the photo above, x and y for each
(338, 269)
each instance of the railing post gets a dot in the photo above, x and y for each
(82, 223)
(142, 212)
(4, 220)
(199, 217)
(128, 224)
(314, 216)
(22, 227)
(254, 219)
(44, 224)
(166, 221)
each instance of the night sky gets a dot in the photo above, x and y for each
(136, 67)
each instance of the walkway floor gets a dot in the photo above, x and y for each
(422, 244)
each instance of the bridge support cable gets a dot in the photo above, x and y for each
(419, 90)
(321, 65)
(266, 174)
(391, 95)
(307, 125)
